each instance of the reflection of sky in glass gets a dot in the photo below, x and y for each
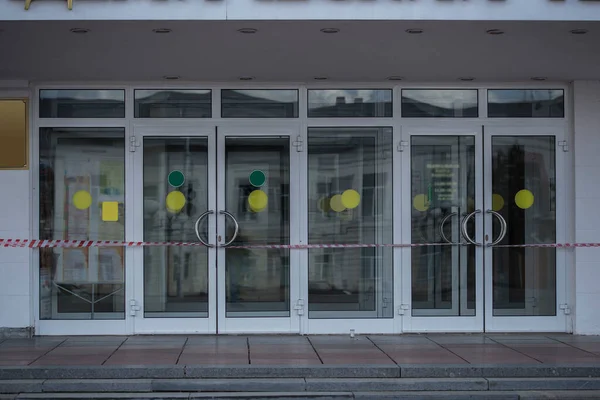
(318, 98)
(283, 96)
(521, 96)
(116, 95)
(442, 98)
(140, 94)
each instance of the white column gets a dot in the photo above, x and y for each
(587, 205)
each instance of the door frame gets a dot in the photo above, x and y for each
(487, 323)
(558, 322)
(271, 325)
(412, 323)
(167, 325)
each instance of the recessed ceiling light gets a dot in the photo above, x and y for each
(330, 30)
(394, 78)
(538, 78)
(466, 79)
(495, 32)
(320, 78)
(171, 77)
(162, 30)
(248, 31)
(414, 31)
(79, 30)
(246, 78)
(578, 31)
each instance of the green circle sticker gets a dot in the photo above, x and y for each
(257, 178)
(176, 178)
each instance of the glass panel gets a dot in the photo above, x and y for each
(442, 193)
(524, 193)
(259, 103)
(173, 103)
(350, 202)
(350, 103)
(82, 192)
(526, 103)
(175, 195)
(257, 193)
(440, 103)
(82, 103)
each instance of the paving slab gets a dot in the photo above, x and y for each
(399, 384)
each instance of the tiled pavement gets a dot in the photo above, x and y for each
(451, 349)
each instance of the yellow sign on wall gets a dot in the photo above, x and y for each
(13, 134)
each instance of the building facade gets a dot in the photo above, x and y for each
(303, 167)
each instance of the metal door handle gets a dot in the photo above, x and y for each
(503, 227)
(237, 227)
(197, 227)
(464, 227)
(444, 220)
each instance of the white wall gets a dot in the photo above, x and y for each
(15, 273)
(491, 10)
(587, 201)
(15, 223)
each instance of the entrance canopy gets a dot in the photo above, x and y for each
(298, 51)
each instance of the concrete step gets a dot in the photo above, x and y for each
(318, 371)
(428, 395)
(296, 385)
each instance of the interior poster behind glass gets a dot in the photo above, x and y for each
(75, 262)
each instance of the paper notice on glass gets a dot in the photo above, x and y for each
(75, 265)
(110, 264)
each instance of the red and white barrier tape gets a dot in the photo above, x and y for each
(32, 243)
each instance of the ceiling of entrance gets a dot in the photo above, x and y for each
(298, 51)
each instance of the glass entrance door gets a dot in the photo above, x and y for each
(228, 194)
(468, 218)
(524, 206)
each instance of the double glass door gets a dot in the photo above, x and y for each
(476, 195)
(225, 193)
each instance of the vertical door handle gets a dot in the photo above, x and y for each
(197, 227)
(237, 227)
(503, 227)
(464, 227)
(444, 220)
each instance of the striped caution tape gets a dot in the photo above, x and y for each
(33, 243)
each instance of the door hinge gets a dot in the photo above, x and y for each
(403, 308)
(401, 145)
(566, 309)
(133, 144)
(299, 307)
(564, 145)
(298, 144)
(133, 307)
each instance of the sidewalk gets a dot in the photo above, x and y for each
(300, 351)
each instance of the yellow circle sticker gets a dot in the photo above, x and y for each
(82, 200)
(420, 202)
(258, 200)
(524, 199)
(323, 204)
(497, 202)
(336, 203)
(175, 201)
(350, 199)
